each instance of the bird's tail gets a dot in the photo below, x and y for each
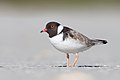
(98, 42)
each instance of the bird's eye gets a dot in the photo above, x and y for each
(52, 26)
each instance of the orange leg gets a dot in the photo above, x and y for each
(76, 59)
(68, 61)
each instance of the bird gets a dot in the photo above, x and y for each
(69, 41)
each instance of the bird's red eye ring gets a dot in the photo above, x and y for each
(52, 26)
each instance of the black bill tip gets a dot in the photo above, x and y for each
(41, 31)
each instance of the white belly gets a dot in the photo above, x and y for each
(69, 45)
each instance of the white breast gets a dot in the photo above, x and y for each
(69, 45)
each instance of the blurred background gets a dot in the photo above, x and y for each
(21, 42)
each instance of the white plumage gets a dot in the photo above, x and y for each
(67, 46)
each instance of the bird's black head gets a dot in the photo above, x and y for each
(51, 28)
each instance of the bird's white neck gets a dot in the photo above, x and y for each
(60, 28)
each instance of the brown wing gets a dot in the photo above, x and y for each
(78, 36)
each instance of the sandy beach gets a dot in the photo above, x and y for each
(25, 54)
